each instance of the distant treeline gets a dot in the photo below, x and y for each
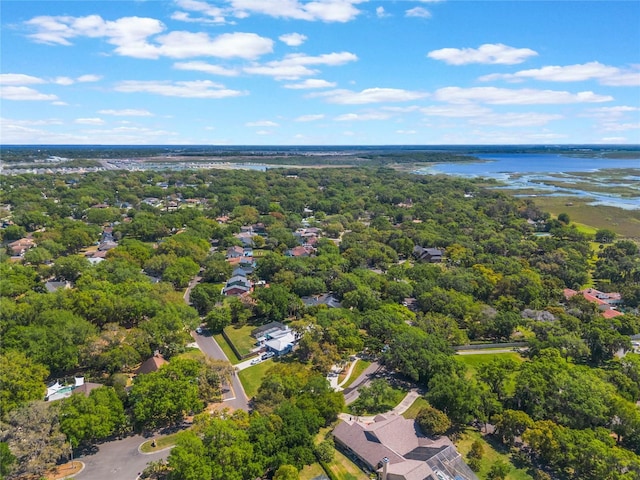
(306, 155)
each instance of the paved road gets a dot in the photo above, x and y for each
(234, 396)
(119, 459)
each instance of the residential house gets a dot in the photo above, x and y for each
(301, 251)
(237, 285)
(325, 299)
(52, 287)
(431, 255)
(275, 337)
(394, 447)
(58, 391)
(606, 302)
(235, 252)
(151, 364)
(19, 247)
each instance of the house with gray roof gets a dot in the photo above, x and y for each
(394, 448)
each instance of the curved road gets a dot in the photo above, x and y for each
(119, 459)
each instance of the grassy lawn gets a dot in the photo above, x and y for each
(241, 338)
(228, 351)
(161, 443)
(345, 469)
(392, 397)
(625, 223)
(491, 455)
(310, 472)
(474, 361)
(360, 367)
(251, 377)
(412, 411)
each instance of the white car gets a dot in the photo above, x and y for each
(256, 361)
(199, 330)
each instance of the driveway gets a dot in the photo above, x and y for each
(233, 394)
(351, 394)
(119, 459)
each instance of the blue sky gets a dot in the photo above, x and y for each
(321, 72)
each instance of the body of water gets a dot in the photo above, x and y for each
(533, 171)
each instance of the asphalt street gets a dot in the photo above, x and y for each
(233, 395)
(119, 459)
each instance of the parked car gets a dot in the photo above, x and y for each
(267, 355)
(256, 361)
(199, 330)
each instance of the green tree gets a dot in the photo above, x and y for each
(87, 419)
(286, 472)
(499, 470)
(7, 460)
(432, 421)
(21, 380)
(511, 424)
(604, 235)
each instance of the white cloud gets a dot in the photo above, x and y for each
(211, 13)
(293, 39)
(322, 10)
(89, 78)
(261, 123)
(24, 93)
(89, 121)
(505, 96)
(620, 127)
(604, 74)
(488, 54)
(406, 132)
(610, 112)
(380, 12)
(130, 35)
(263, 132)
(206, 68)
(418, 12)
(127, 112)
(19, 79)
(192, 89)
(226, 45)
(349, 117)
(525, 119)
(311, 83)
(309, 118)
(296, 65)
(370, 95)
(63, 81)
(614, 140)
(455, 111)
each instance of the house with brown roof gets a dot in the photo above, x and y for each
(152, 364)
(394, 447)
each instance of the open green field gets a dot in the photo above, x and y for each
(241, 338)
(625, 223)
(474, 361)
(251, 377)
(491, 455)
